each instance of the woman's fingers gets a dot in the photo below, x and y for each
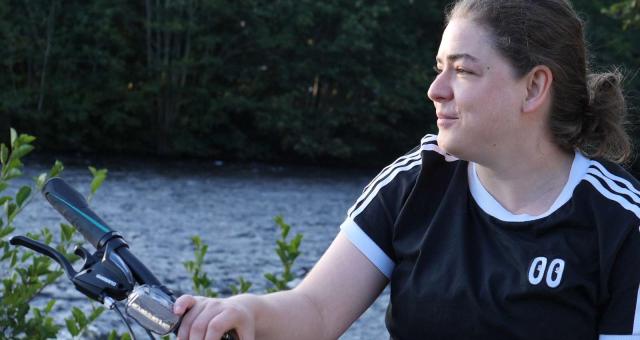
(219, 325)
(200, 325)
(207, 318)
(183, 304)
(186, 326)
(231, 319)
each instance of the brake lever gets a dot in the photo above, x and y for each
(102, 274)
(44, 249)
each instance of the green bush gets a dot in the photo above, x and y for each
(25, 273)
(287, 251)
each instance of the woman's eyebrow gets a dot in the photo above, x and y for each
(457, 56)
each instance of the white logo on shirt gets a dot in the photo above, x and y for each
(553, 273)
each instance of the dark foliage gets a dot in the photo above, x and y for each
(287, 80)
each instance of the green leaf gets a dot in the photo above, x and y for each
(7, 253)
(125, 336)
(14, 163)
(25, 256)
(14, 136)
(13, 173)
(243, 286)
(71, 326)
(272, 278)
(9, 209)
(34, 236)
(81, 319)
(196, 241)
(4, 153)
(47, 236)
(98, 178)
(5, 199)
(40, 181)
(203, 250)
(22, 195)
(6, 231)
(22, 151)
(25, 139)
(49, 306)
(296, 242)
(67, 232)
(96, 312)
(56, 169)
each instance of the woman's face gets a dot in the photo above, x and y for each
(477, 98)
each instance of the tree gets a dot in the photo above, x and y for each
(626, 10)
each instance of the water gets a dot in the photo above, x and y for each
(159, 206)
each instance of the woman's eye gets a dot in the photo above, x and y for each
(437, 70)
(460, 70)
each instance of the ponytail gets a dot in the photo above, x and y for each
(603, 134)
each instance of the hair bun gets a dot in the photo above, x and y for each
(604, 117)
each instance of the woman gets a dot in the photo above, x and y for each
(514, 222)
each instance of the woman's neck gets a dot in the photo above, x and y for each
(527, 182)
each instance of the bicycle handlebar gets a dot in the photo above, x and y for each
(72, 205)
(75, 209)
(114, 249)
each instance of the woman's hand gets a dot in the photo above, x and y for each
(210, 319)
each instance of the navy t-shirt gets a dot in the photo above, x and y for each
(463, 267)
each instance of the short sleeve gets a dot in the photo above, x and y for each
(620, 315)
(370, 221)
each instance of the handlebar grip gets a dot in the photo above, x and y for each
(73, 206)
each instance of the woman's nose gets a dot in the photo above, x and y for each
(440, 90)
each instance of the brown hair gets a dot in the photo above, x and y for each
(588, 109)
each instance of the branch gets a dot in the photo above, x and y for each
(47, 51)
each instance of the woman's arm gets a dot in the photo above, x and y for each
(335, 293)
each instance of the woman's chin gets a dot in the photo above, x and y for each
(446, 142)
(451, 145)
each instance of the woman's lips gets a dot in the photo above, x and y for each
(445, 121)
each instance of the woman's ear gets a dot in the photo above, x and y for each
(538, 82)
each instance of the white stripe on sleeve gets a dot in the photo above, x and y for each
(390, 170)
(370, 249)
(617, 198)
(403, 160)
(379, 186)
(615, 186)
(385, 172)
(614, 177)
